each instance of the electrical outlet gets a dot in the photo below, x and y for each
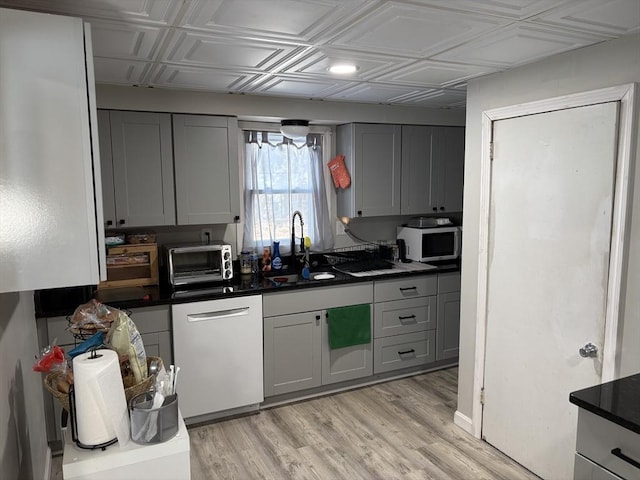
(206, 235)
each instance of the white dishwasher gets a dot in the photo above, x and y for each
(218, 346)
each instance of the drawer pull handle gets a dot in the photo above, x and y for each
(406, 317)
(404, 289)
(618, 453)
(407, 351)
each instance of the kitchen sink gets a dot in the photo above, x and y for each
(283, 279)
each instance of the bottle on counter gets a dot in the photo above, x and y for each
(276, 260)
(266, 259)
(245, 262)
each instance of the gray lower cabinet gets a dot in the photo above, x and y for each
(404, 323)
(154, 325)
(297, 355)
(292, 352)
(206, 169)
(136, 151)
(604, 449)
(448, 325)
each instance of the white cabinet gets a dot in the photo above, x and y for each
(138, 184)
(432, 169)
(206, 169)
(297, 355)
(48, 235)
(372, 156)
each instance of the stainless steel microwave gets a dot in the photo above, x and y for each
(431, 244)
(187, 264)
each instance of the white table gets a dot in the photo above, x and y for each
(162, 461)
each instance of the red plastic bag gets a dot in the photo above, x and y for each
(50, 359)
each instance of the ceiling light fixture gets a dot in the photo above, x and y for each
(343, 68)
(294, 128)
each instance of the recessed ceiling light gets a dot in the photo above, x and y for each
(343, 68)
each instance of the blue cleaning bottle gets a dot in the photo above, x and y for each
(276, 260)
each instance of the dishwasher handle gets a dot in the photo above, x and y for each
(204, 317)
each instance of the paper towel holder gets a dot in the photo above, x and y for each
(74, 426)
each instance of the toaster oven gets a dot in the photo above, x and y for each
(187, 264)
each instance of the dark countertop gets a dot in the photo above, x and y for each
(62, 302)
(617, 401)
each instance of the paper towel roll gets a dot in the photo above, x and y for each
(101, 406)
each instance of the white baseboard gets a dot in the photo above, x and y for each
(463, 422)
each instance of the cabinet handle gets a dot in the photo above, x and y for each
(121, 221)
(359, 213)
(236, 218)
(407, 351)
(441, 208)
(435, 209)
(406, 317)
(618, 453)
(404, 289)
(109, 223)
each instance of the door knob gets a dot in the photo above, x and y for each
(589, 350)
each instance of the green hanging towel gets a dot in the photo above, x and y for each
(349, 325)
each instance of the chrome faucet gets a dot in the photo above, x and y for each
(293, 238)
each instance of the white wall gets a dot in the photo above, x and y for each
(607, 64)
(24, 453)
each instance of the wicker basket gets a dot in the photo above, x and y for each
(51, 380)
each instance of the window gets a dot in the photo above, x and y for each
(282, 176)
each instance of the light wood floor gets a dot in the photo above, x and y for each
(401, 429)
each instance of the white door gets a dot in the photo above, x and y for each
(549, 234)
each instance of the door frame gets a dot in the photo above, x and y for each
(625, 94)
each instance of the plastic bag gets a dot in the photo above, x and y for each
(92, 317)
(51, 358)
(125, 339)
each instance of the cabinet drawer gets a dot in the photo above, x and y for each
(597, 438)
(584, 469)
(402, 351)
(404, 316)
(448, 282)
(387, 290)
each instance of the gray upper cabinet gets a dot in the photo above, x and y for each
(142, 161)
(372, 155)
(432, 169)
(447, 147)
(206, 169)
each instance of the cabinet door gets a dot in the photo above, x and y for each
(292, 354)
(419, 182)
(106, 168)
(206, 169)
(48, 233)
(348, 363)
(378, 157)
(142, 168)
(448, 325)
(448, 152)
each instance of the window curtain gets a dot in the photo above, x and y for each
(282, 176)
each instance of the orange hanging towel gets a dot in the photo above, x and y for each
(339, 172)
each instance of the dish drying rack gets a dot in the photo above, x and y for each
(355, 253)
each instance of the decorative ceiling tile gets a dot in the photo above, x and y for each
(218, 51)
(516, 45)
(414, 31)
(290, 20)
(369, 65)
(125, 41)
(607, 17)
(438, 98)
(160, 12)
(425, 72)
(196, 78)
(512, 9)
(374, 93)
(299, 87)
(129, 72)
